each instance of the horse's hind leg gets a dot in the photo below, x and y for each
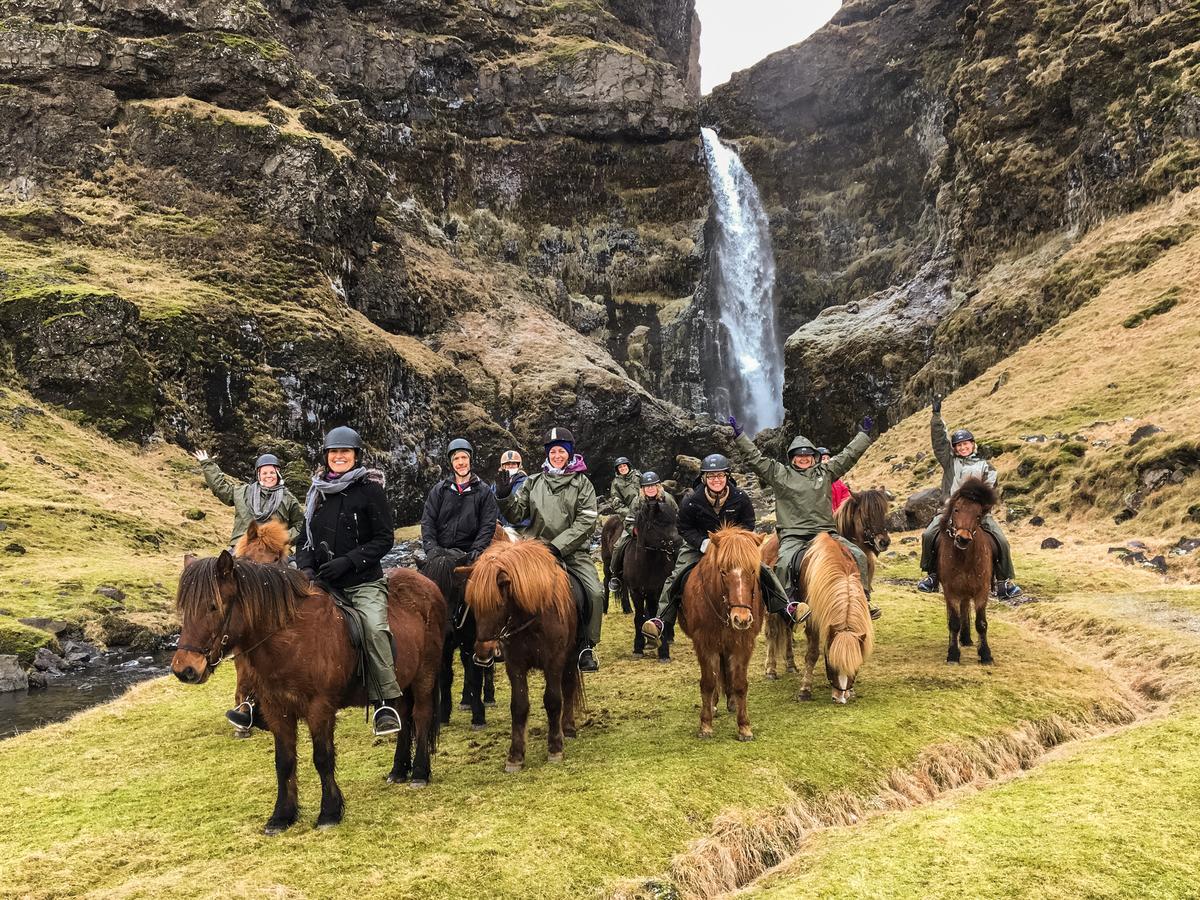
(286, 808)
(774, 626)
(552, 699)
(952, 623)
(446, 674)
(981, 626)
(964, 626)
(639, 618)
(321, 724)
(489, 686)
(812, 651)
(727, 683)
(402, 761)
(420, 725)
(570, 698)
(473, 679)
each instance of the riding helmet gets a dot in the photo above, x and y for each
(715, 462)
(510, 456)
(622, 461)
(649, 478)
(822, 451)
(801, 446)
(561, 436)
(267, 459)
(961, 435)
(460, 444)
(342, 437)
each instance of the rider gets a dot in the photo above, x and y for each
(510, 461)
(803, 505)
(348, 530)
(651, 492)
(260, 501)
(625, 485)
(839, 491)
(460, 512)
(960, 460)
(715, 500)
(561, 503)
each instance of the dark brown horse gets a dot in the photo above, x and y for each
(298, 661)
(523, 604)
(964, 564)
(862, 520)
(610, 532)
(648, 561)
(722, 612)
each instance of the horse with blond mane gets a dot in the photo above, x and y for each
(722, 612)
(523, 603)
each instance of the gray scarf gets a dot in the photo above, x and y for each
(322, 488)
(264, 501)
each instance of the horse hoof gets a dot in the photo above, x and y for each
(570, 733)
(511, 767)
(771, 676)
(745, 737)
(555, 757)
(792, 670)
(805, 695)
(395, 778)
(478, 726)
(704, 734)
(271, 829)
(665, 659)
(323, 825)
(416, 784)
(985, 661)
(491, 702)
(638, 654)
(465, 706)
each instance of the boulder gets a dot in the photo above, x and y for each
(112, 593)
(897, 520)
(1157, 563)
(921, 507)
(46, 660)
(1051, 543)
(12, 676)
(1143, 432)
(1037, 521)
(1185, 546)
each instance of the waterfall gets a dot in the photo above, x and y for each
(750, 356)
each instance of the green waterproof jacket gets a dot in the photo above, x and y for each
(562, 509)
(803, 503)
(235, 493)
(625, 489)
(956, 469)
(631, 516)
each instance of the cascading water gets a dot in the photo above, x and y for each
(743, 280)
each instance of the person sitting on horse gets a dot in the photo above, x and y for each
(347, 532)
(651, 491)
(625, 487)
(561, 504)
(839, 491)
(460, 511)
(262, 500)
(510, 462)
(715, 500)
(959, 456)
(803, 500)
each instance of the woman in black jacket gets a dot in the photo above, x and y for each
(348, 530)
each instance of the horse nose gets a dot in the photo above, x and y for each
(187, 675)
(885, 542)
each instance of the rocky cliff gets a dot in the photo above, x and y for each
(928, 163)
(236, 224)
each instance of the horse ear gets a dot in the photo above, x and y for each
(503, 581)
(759, 537)
(252, 531)
(224, 564)
(462, 574)
(189, 558)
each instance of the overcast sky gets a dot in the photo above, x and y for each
(735, 34)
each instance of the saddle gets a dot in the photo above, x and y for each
(355, 628)
(582, 607)
(766, 582)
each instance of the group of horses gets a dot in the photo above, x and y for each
(293, 653)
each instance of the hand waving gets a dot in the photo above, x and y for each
(737, 429)
(201, 456)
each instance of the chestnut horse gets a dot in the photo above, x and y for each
(722, 612)
(964, 565)
(862, 520)
(840, 624)
(298, 661)
(522, 601)
(610, 531)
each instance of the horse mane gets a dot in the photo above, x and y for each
(974, 490)
(835, 593)
(537, 582)
(440, 570)
(267, 594)
(868, 507)
(272, 536)
(736, 548)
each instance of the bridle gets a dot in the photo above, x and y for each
(726, 618)
(507, 633)
(952, 532)
(214, 654)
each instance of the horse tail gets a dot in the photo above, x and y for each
(435, 726)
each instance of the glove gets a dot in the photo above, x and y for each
(201, 456)
(937, 405)
(335, 569)
(704, 545)
(310, 574)
(553, 549)
(737, 429)
(503, 484)
(868, 423)
(472, 556)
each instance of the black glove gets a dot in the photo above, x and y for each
(335, 569)
(937, 405)
(503, 484)
(737, 429)
(868, 422)
(553, 549)
(472, 556)
(310, 574)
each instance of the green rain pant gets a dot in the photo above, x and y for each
(668, 606)
(791, 546)
(581, 565)
(370, 599)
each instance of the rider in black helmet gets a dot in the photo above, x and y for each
(460, 511)
(650, 491)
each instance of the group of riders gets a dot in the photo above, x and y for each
(344, 528)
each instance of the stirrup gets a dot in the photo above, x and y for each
(229, 717)
(790, 611)
(875, 611)
(380, 732)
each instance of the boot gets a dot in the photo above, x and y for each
(1008, 589)
(928, 584)
(588, 661)
(386, 720)
(652, 629)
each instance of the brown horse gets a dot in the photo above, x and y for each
(649, 559)
(522, 603)
(840, 623)
(722, 612)
(299, 663)
(862, 520)
(964, 565)
(610, 532)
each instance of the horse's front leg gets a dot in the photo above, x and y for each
(738, 665)
(473, 677)
(981, 626)
(518, 679)
(812, 651)
(321, 722)
(402, 759)
(420, 725)
(710, 671)
(283, 727)
(790, 637)
(552, 699)
(953, 654)
(446, 677)
(964, 622)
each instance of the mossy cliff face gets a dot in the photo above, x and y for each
(916, 156)
(234, 225)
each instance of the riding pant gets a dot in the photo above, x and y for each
(1003, 565)
(668, 605)
(581, 565)
(790, 546)
(370, 599)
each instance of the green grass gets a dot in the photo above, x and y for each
(150, 794)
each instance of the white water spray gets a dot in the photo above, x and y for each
(744, 284)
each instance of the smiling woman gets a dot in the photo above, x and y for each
(734, 36)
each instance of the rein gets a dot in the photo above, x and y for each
(726, 617)
(502, 638)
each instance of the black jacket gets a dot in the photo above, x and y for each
(356, 524)
(456, 520)
(697, 517)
